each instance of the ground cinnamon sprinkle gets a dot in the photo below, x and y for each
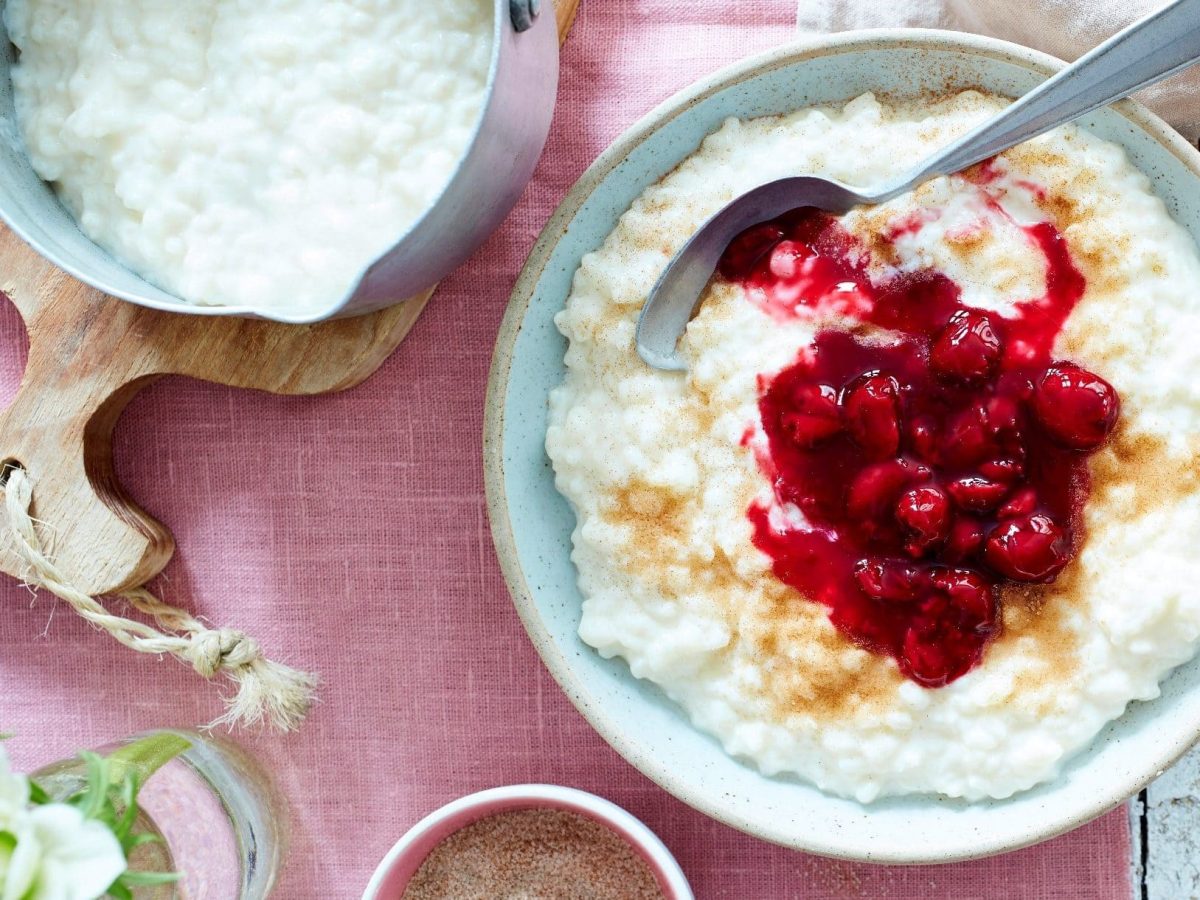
(534, 854)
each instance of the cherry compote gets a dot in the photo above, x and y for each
(932, 461)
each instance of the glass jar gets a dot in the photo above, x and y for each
(220, 821)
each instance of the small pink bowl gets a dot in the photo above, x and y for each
(402, 862)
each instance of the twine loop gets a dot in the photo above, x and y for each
(264, 689)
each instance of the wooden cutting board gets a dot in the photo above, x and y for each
(89, 354)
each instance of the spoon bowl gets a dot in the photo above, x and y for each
(676, 295)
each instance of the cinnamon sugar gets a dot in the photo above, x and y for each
(534, 854)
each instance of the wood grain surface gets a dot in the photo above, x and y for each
(89, 354)
(564, 12)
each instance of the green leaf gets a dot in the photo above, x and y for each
(145, 757)
(118, 891)
(143, 879)
(94, 797)
(139, 840)
(37, 794)
(124, 825)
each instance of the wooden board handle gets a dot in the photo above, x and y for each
(59, 426)
(89, 354)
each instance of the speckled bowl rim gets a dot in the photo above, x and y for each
(627, 744)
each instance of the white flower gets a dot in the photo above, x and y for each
(51, 852)
(14, 789)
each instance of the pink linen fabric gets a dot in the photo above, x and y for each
(349, 534)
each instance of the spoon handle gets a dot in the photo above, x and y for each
(1147, 51)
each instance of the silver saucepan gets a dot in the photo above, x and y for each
(490, 176)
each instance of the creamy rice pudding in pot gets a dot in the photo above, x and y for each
(917, 519)
(249, 152)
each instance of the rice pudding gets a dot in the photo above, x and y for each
(236, 152)
(918, 517)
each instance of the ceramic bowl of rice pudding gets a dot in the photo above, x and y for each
(899, 569)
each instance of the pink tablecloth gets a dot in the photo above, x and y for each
(349, 534)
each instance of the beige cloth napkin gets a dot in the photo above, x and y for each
(1064, 28)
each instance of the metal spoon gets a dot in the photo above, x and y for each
(1159, 45)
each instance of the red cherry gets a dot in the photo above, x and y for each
(968, 348)
(975, 493)
(923, 436)
(872, 409)
(948, 634)
(874, 490)
(966, 537)
(970, 594)
(1002, 415)
(1022, 503)
(747, 249)
(924, 657)
(925, 514)
(1076, 407)
(1028, 548)
(968, 439)
(885, 579)
(1007, 471)
(814, 415)
(935, 651)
